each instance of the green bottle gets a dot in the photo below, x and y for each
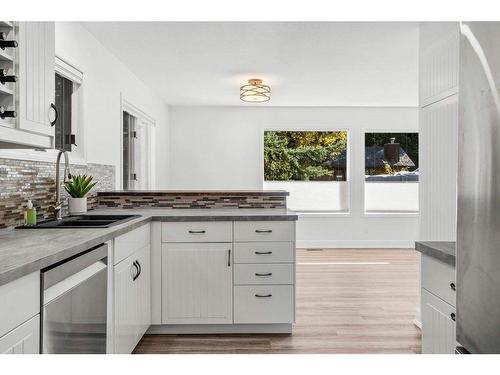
(30, 214)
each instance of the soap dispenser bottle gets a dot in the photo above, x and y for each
(30, 214)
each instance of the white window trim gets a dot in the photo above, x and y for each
(74, 74)
(126, 105)
(312, 213)
(382, 214)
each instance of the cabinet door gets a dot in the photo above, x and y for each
(438, 325)
(25, 339)
(439, 56)
(197, 283)
(36, 77)
(143, 290)
(126, 307)
(438, 152)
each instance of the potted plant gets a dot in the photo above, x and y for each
(78, 188)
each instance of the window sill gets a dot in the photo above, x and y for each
(326, 214)
(392, 214)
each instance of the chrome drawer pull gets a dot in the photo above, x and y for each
(263, 274)
(197, 231)
(263, 231)
(263, 296)
(263, 252)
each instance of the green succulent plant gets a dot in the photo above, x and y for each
(79, 186)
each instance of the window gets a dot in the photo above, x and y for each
(311, 165)
(391, 172)
(68, 101)
(137, 128)
(63, 130)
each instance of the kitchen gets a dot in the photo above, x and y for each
(221, 196)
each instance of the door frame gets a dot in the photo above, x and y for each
(126, 105)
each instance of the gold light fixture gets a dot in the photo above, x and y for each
(255, 91)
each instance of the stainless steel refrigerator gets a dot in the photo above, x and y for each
(478, 235)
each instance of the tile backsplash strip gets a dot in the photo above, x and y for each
(188, 200)
(21, 180)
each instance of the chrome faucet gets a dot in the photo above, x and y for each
(67, 177)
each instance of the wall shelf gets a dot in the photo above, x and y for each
(4, 56)
(5, 90)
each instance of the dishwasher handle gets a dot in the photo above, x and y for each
(71, 282)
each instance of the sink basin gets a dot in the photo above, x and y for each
(82, 221)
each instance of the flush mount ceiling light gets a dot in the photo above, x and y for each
(255, 91)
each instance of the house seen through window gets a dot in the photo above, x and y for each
(391, 172)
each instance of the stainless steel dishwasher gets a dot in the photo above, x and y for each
(74, 304)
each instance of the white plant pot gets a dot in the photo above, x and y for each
(77, 206)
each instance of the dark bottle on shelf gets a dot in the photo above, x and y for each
(6, 43)
(4, 77)
(4, 113)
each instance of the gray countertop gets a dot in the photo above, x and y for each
(442, 250)
(23, 251)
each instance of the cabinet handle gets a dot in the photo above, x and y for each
(53, 106)
(197, 231)
(452, 316)
(263, 252)
(229, 258)
(453, 287)
(263, 274)
(140, 268)
(134, 271)
(263, 231)
(263, 296)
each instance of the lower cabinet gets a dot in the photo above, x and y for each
(197, 283)
(437, 306)
(132, 300)
(24, 339)
(438, 325)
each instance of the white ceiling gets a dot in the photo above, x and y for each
(305, 63)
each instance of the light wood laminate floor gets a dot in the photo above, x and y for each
(348, 301)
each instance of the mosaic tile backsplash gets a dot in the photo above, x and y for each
(21, 180)
(188, 200)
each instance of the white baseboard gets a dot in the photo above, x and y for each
(350, 244)
(193, 329)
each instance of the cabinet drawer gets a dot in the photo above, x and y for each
(20, 301)
(197, 232)
(264, 252)
(437, 278)
(246, 231)
(25, 339)
(438, 325)
(245, 274)
(263, 304)
(128, 243)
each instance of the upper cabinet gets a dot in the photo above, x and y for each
(439, 54)
(33, 63)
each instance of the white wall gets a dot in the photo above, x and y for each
(221, 148)
(105, 80)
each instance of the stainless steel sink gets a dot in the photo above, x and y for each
(82, 221)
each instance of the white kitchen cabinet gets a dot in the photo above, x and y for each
(437, 306)
(438, 65)
(197, 283)
(438, 150)
(132, 291)
(34, 60)
(132, 300)
(36, 77)
(438, 325)
(24, 339)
